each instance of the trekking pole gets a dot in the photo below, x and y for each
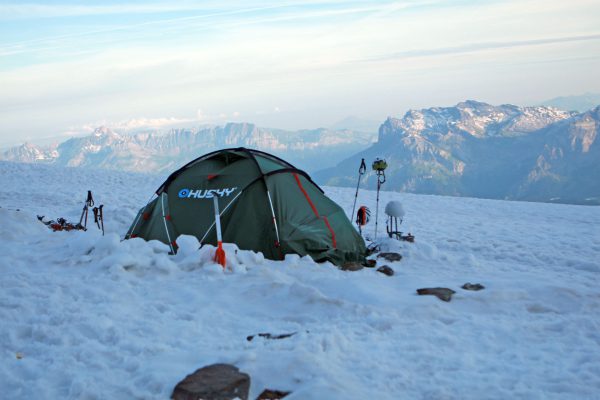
(220, 257)
(379, 166)
(101, 218)
(98, 218)
(89, 202)
(95, 211)
(361, 171)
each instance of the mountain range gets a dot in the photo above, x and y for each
(157, 151)
(480, 150)
(471, 149)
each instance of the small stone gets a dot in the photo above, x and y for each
(269, 394)
(370, 263)
(217, 382)
(444, 294)
(391, 257)
(384, 269)
(351, 266)
(473, 286)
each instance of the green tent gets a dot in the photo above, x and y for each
(266, 205)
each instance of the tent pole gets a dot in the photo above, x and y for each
(130, 232)
(220, 214)
(162, 202)
(274, 219)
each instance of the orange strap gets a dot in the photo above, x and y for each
(312, 205)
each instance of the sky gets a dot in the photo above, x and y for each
(69, 66)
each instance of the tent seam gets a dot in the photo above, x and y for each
(314, 208)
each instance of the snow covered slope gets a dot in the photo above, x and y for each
(94, 317)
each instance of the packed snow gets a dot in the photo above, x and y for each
(86, 316)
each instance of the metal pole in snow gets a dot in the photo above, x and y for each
(361, 170)
(220, 257)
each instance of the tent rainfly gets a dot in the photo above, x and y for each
(265, 203)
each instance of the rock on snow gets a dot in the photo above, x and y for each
(86, 316)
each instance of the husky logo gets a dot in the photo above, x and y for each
(205, 194)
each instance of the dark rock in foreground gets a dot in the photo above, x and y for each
(370, 263)
(384, 269)
(352, 266)
(444, 294)
(473, 286)
(269, 394)
(214, 382)
(391, 257)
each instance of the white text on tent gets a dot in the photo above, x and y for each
(205, 194)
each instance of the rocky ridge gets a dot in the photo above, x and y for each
(164, 151)
(481, 150)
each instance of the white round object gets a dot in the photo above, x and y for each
(394, 209)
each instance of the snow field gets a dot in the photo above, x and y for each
(94, 317)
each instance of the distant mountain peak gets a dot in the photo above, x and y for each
(472, 104)
(474, 118)
(104, 131)
(482, 150)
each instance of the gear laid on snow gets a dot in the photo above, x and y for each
(61, 224)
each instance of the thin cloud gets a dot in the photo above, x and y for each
(290, 12)
(477, 47)
(26, 11)
(20, 47)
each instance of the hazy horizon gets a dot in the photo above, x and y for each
(287, 65)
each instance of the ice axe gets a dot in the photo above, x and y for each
(220, 257)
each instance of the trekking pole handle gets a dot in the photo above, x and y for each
(363, 167)
(89, 201)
